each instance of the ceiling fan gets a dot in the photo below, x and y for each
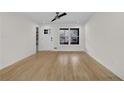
(58, 16)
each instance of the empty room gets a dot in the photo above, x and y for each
(61, 46)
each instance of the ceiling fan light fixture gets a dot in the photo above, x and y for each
(58, 16)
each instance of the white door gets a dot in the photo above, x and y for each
(46, 40)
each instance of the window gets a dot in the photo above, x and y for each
(74, 35)
(69, 36)
(64, 38)
(45, 31)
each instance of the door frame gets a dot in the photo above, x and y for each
(37, 39)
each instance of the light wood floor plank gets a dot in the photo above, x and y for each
(57, 66)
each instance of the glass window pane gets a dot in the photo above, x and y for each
(74, 36)
(64, 38)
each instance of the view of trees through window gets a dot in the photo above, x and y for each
(69, 36)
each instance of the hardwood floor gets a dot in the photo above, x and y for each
(57, 66)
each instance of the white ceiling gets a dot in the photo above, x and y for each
(46, 17)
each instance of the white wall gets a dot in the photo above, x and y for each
(18, 38)
(55, 32)
(0, 42)
(105, 40)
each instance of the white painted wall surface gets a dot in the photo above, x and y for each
(55, 33)
(45, 42)
(18, 38)
(105, 40)
(0, 41)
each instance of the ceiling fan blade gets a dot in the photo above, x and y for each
(53, 19)
(63, 14)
